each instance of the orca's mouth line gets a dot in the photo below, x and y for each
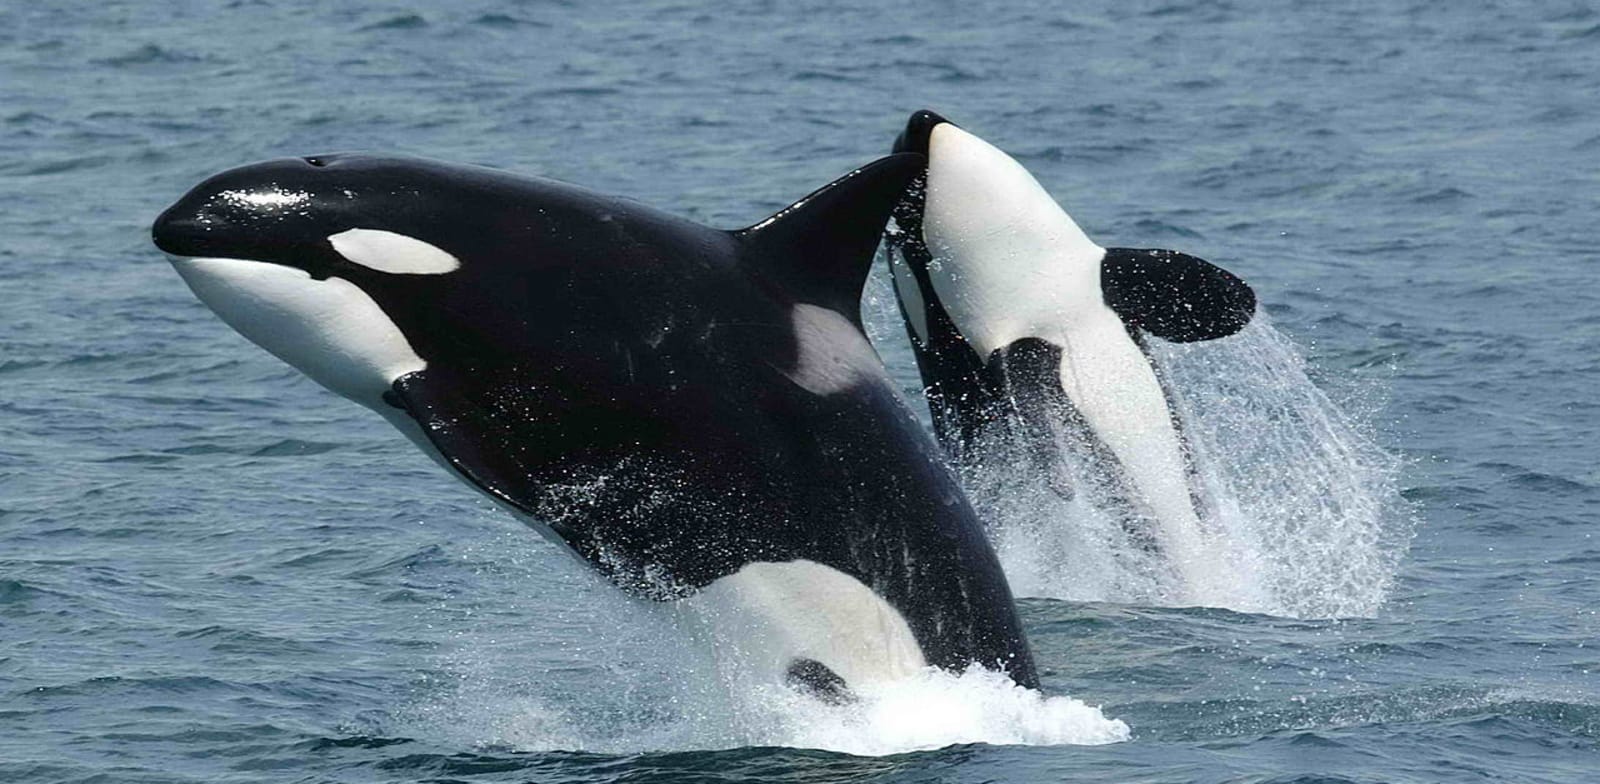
(180, 261)
(314, 268)
(202, 264)
(178, 258)
(192, 237)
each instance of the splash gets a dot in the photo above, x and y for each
(1301, 508)
(1299, 485)
(932, 709)
(937, 709)
(608, 674)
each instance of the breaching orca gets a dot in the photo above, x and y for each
(693, 412)
(1019, 322)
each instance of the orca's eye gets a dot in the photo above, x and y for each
(317, 162)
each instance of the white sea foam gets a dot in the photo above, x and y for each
(929, 710)
(605, 673)
(933, 710)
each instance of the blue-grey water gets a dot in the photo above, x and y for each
(212, 570)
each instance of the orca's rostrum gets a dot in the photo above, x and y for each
(694, 412)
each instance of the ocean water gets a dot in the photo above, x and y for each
(212, 570)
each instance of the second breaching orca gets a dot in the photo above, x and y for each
(1021, 323)
(695, 413)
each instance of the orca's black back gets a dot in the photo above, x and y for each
(659, 434)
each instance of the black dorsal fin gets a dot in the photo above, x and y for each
(821, 247)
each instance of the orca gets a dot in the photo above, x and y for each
(695, 413)
(1021, 325)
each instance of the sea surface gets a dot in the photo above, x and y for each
(212, 570)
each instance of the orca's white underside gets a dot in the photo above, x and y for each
(1011, 264)
(328, 329)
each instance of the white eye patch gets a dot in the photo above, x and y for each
(386, 251)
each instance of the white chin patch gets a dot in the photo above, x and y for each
(1009, 262)
(775, 613)
(386, 251)
(329, 329)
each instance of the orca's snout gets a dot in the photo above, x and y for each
(240, 209)
(164, 230)
(179, 232)
(918, 132)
